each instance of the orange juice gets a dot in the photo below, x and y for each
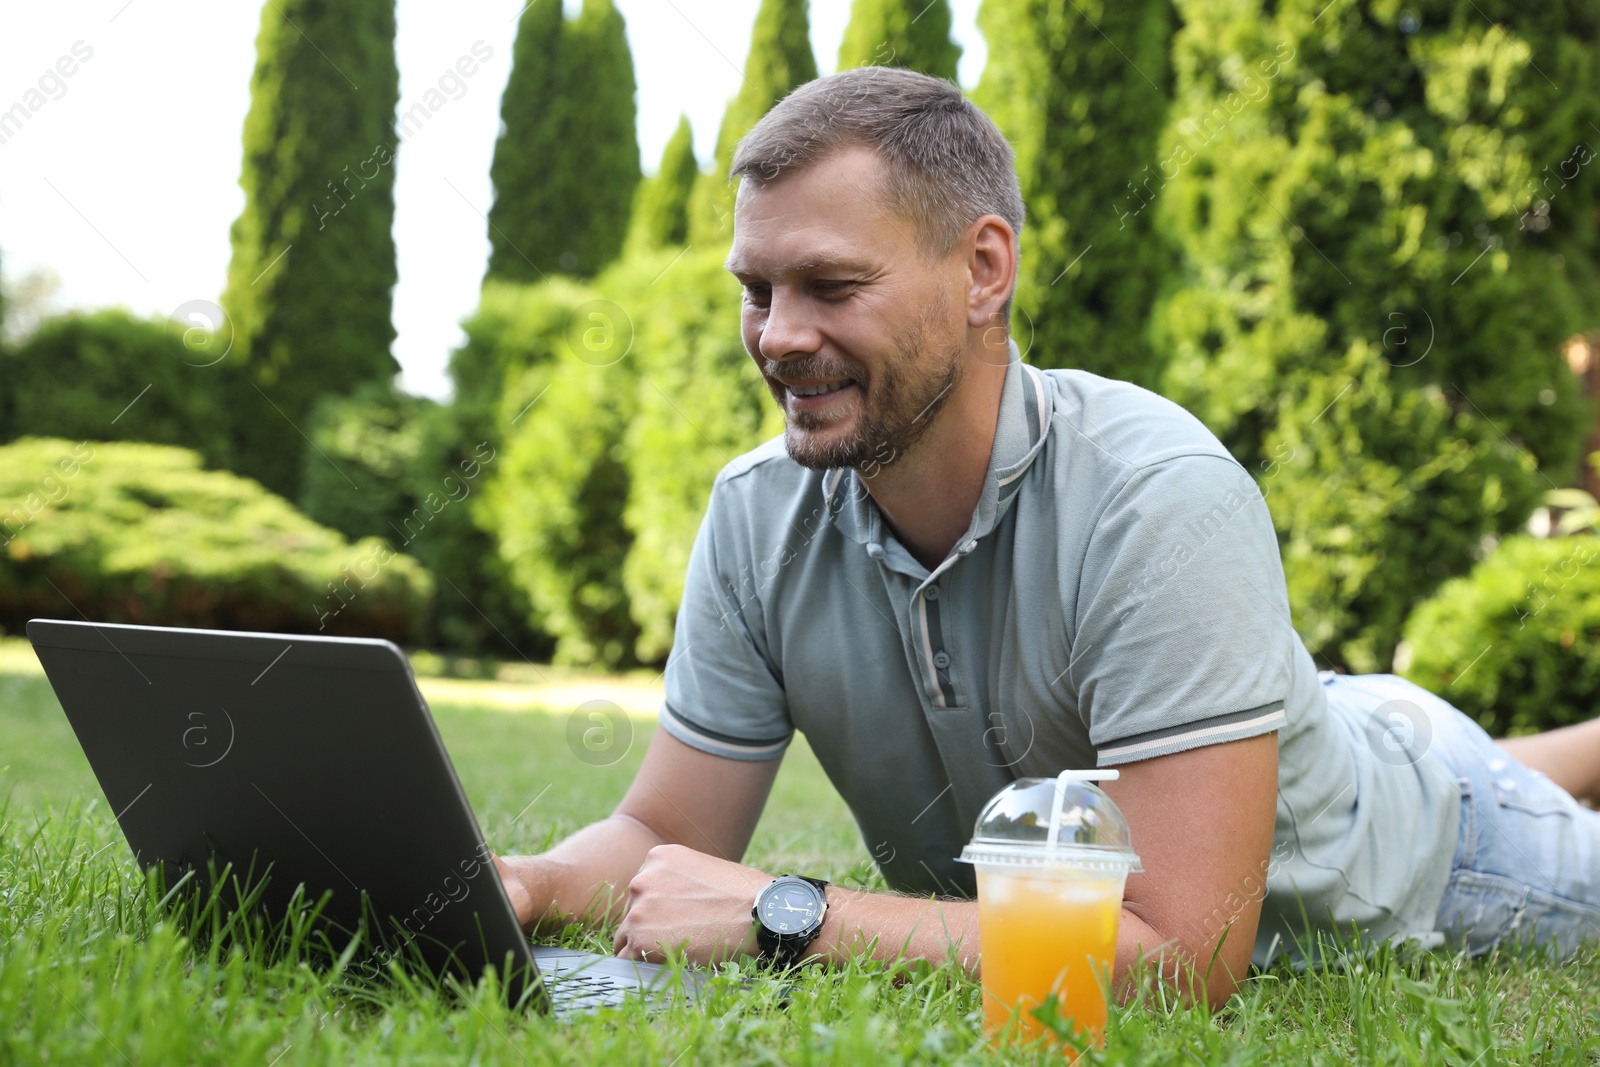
(1043, 935)
(1052, 857)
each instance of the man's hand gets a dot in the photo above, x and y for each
(686, 899)
(681, 796)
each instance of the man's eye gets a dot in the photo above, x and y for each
(834, 289)
(757, 294)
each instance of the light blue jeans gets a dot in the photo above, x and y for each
(1527, 861)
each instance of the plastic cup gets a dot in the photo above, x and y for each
(1052, 858)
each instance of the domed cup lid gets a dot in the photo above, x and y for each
(1066, 822)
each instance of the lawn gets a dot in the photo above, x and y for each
(92, 971)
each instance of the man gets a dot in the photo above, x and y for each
(955, 570)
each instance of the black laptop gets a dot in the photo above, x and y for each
(315, 761)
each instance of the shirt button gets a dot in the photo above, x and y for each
(941, 659)
(932, 592)
(968, 547)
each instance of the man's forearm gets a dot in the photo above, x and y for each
(585, 876)
(888, 927)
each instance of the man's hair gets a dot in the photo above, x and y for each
(946, 164)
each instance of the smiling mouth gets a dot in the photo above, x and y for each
(820, 390)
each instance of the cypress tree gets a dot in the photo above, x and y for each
(1082, 88)
(1377, 279)
(779, 60)
(527, 173)
(567, 162)
(661, 214)
(901, 33)
(603, 141)
(310, 286)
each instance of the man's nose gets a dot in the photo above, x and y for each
(789, 331)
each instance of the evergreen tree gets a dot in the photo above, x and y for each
(661, 212)
(603, 141)
(1081, 88)
(310, 286)
(567, 162)
(901, 33)
(524, 231)
(1384, 246)
(780, 59)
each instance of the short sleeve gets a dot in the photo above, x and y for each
(722, 695)
(1183, 635)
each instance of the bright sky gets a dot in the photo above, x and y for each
(125, 181)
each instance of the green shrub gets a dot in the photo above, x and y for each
(1515, 643)
(361, 459)
(640, 391)
(109, 376)
(514, 327)
(478, 608)
(561, 495)
(1359, 189)
(382, 463)
(702, 402)
(1378, 494)
(140, 533)
(560, 353)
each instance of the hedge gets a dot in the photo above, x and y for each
(1361, 185)
(405, 469)
(619, 404)
(557, 354)
(702, 402)
(139, 533)
(1515, 643)
(111, 376)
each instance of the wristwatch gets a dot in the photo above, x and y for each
(788, 912)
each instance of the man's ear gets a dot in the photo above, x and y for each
(991, 257)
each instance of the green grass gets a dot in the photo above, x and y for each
(93, 970)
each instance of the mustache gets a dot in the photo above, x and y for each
(813, 367)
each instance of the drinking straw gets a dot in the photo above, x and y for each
(1087, 774)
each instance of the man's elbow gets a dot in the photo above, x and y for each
(1204, 967)
(1222, 975)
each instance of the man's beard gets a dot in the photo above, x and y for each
(905, 396)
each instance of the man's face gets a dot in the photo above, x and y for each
(859, 338)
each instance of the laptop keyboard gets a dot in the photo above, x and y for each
(579, 990)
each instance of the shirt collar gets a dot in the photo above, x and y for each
(1019, 436)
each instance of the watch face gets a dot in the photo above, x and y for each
(789, 907)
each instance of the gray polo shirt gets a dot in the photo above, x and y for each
(1118, 596)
